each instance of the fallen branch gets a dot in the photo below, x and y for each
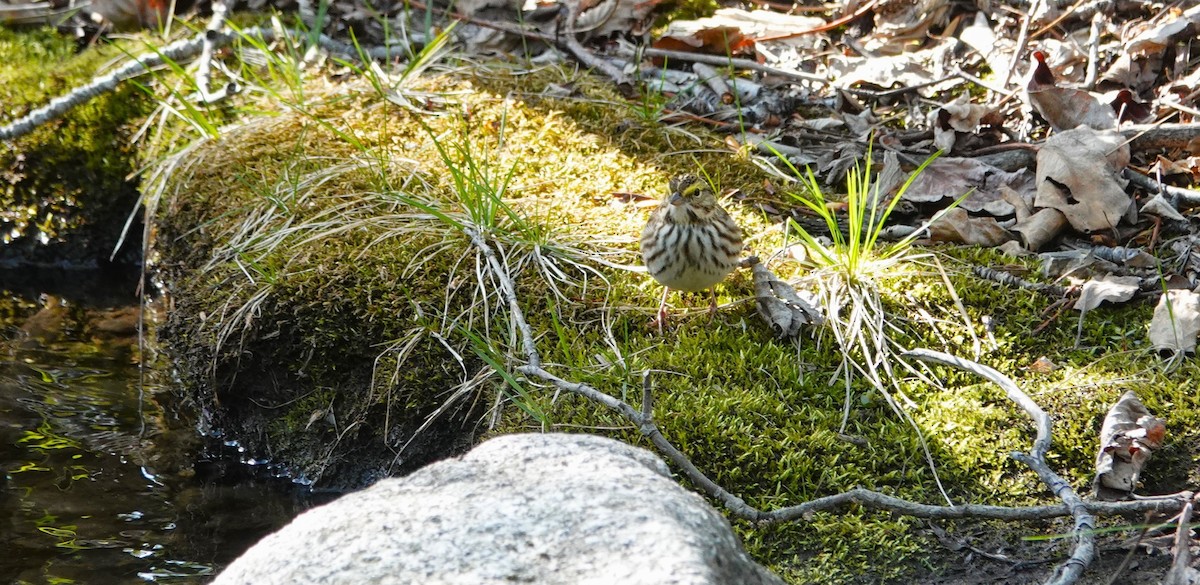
(180, 51)
(1179, 197)
(643, 420)
(1085, 522)
(1181, 572)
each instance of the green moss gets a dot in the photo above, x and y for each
(65, 194)
(311, 273)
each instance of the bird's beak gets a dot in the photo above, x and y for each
(676, 199)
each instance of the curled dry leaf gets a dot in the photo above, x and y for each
(956, 225)
(1113, 289)
(1063, 107)
(719, 34)
(766, 23)
(1078, 173)
(1176, 322)
(1043, 365)
(897, 22)
(784, 309)
(1158, 205)
(904, 70)
(957, 116)
(1157, 38)
(1041, 228)
(1128, 437)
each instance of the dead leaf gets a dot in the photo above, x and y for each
(947, 178)
(766, 23)
(1043, 365)
(1063, 107)
(1176, 322)
(903, 70)
(784, 309)
(1078, 174)
(994, 50)
(717, 40)
(1159, 37)
(958, 116)
(956, 225)
(1113, 289)
(1040, 228)
(1128, 437)
(899, 22)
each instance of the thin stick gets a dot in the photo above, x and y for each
(1022, 38)
(1181, 565)
(1085, 522)
(179, 51)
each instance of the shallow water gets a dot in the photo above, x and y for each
(102, 483)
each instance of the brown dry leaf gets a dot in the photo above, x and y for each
(957, 116)
(1128, 437)
(1063, 107)
(1158, 205)
(780, 305)
(1157, 38)
(1176, 322)
(1113, 289)
(956, 225)
(764, 23)
(947, 178)
(1078, 174)
(1043, 365)
(885, 72)
(901, 24)
(714, 40)
(1040, 229)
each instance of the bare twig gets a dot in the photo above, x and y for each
(1181, 572)
(1179, 197)
(1085, 522)
(204, 67)
(179, 51)
(509, 290)
(988, 273)
(1072, 505)
(737, 63)
(1089, 81)
(1022, 38)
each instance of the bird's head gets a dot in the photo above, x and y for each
(691, 198)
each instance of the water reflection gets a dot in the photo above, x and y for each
(89, 496)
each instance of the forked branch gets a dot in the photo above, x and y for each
(1083, 512)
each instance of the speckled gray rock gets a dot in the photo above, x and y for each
(544, 508)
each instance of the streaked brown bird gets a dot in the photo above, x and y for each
(690, 243)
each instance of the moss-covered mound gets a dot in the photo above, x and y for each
(65, 192)
(334, 311)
